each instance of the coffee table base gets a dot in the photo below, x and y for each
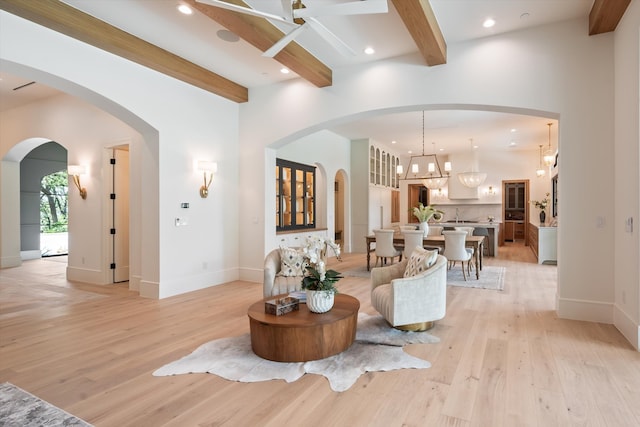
(303, 336)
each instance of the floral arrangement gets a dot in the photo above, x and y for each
(542, 204)
(317, 277)
(425, 213)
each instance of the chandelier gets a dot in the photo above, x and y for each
(549, 156)
(473, 178)
(427, 168)
(540, 171)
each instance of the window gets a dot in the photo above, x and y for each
(295, 195)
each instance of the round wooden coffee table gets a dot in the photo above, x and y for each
(300, 336)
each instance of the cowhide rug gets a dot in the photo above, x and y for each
(377, 347)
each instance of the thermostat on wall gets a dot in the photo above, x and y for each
(184, 205)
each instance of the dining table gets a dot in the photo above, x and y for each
(475, 242)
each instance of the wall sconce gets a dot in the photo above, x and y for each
(75, 171)
(210, 168)
(399, 170)
(491, 191)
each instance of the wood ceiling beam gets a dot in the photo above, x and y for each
(605, 15)
(421, 22)
(67, 20)
(261, 34)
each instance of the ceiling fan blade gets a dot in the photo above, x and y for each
(287, 9)
(351, 8)
(280, 44)
(235, 8)
(331, 38)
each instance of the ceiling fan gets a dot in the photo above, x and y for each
(302, 17)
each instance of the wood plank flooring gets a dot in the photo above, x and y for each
(504, 358)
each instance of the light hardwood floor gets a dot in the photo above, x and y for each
(504, 358)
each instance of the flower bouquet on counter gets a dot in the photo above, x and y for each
(542, 204)
(425, 213)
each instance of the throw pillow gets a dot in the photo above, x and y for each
(292, 262)
(420, 260)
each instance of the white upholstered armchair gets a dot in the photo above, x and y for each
(410, 303)
(274, 283)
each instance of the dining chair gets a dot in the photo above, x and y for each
(435, 230)
(469, 231)
(384, 247)
(455, 250)
(412, 239)
(481, 231)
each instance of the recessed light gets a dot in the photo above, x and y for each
(183, 8)
(488, 23)
(512, 144)
(409, 152)
(513, 130)
(393, 142)
(284, 70)
(369, 50)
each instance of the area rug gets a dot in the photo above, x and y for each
(491, 277)
(377, 347)
(20, 408)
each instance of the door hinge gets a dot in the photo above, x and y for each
(112, 196)
(112, 231)
(112, 161)
(113, 266)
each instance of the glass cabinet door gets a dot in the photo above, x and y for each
(295, 195)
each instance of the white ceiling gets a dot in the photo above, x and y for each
(195, 38)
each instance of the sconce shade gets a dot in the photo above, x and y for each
(76, 170)
(207, 166)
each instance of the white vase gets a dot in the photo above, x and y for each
(320, 301)
(424, 226)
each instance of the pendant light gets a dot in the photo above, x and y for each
(540, 172)
(549, 155)
(426, 167)
(473, 178)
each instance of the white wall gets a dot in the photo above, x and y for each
(627, 177)
(177, 124)
(548, 72)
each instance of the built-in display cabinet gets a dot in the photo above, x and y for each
(295, 196)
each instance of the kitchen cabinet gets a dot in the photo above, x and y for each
(514, 230)
(515, 196)
(543, 242)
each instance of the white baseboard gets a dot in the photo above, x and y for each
(627, 326)
(85, 275)
(252, 275)
(149, 289)
(27, 255)
(134, 283)
(590, 311)
(10, 261)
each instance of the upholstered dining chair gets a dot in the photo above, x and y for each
(454, 249)
(384, 246)
(412, 239)
(481, 231)
(469, 231)
(435, 230)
